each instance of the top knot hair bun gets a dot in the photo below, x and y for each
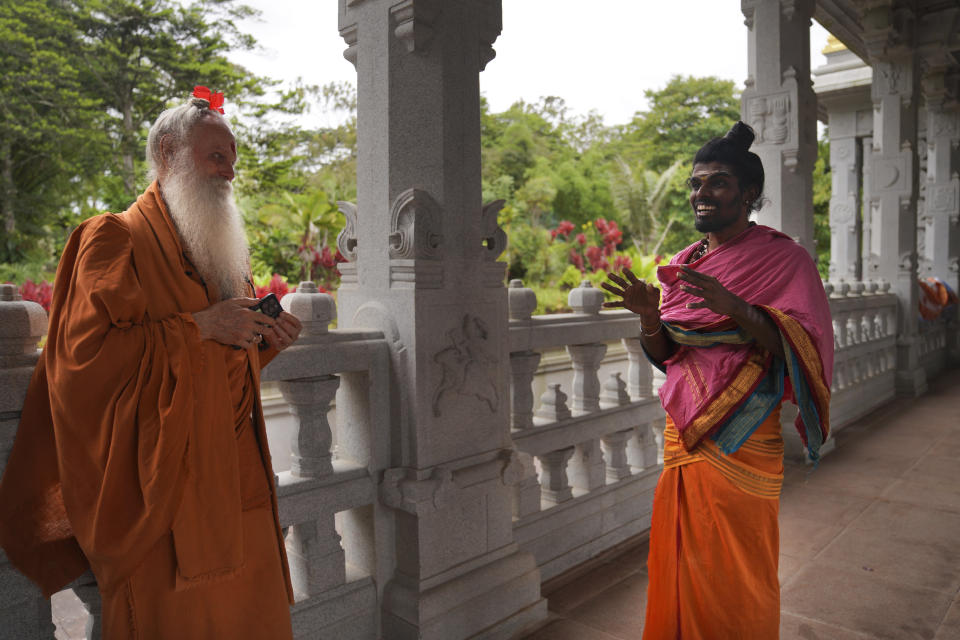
(741, 135)
(201, 103)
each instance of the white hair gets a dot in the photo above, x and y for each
(209, 224)
(175, 124)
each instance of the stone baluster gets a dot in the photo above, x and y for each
(615, 454)
(644, 447)
(316, 559)
(586, 360)
(639, 371)
(309, 398)
(553, 406)
(526, 493)
(523, 366)
(586, 470)
(22, 324)
(614, 392)
(555, 486)
(586, 300)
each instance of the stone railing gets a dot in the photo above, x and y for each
(587, 468)
(335, 529)
(865, 343)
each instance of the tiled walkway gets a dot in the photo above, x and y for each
(869, 542)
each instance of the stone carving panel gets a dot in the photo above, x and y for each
(494, 238)
(347, 238)
(769, 116)
(466, 365)
(415, 226)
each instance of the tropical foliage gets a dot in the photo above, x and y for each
(80, 81)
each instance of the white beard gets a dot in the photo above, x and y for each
(210, 226)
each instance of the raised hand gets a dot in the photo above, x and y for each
(232, 322)
(638, 296)
(715, 296)
(284, 332)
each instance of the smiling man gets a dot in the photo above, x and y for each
(743, 324)
(141, 451)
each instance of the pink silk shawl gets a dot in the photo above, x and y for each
(768, 269)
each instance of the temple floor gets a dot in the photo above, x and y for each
(869, 542)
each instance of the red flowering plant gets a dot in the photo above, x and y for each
(39, 292)
(321, 266)
(595, 248)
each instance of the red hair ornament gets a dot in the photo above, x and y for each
(215, 99)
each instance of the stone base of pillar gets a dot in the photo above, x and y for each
(911, 382)
(495, 600)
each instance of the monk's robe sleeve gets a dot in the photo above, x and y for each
(121, 395)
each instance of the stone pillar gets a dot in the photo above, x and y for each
(424, 270)
(894, 175)
(23, 609)
(779, 103)
(846, 162)
(939, 220)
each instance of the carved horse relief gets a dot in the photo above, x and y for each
(465, 365)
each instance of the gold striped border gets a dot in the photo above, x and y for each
(739, 388)
(753, 481)
(810, 362)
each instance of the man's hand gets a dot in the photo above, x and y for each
(232, 322)
(715, 295)
(638, 296)
(284, 331)
(719, 300)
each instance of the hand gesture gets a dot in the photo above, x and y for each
(284, 331)
(715, 295)
(638, 296)
(232, 322)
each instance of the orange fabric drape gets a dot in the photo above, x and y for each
(128, 432)
(714, 540)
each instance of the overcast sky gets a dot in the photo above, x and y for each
(595, 54)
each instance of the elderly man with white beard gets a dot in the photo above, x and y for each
(141, 451)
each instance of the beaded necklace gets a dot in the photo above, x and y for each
(700, 251)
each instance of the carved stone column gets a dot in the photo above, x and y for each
(522, 367)
(424, 271)
(846, 163)
(894, 175)
(939, 220)
(843, 92)
(779, 103)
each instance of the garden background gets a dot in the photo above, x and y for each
(81, 81)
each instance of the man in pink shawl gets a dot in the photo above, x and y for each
(744, 324)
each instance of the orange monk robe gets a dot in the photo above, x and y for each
(714, 540)
(127, 457)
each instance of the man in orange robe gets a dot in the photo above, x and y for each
(744, 323)
(141, 451)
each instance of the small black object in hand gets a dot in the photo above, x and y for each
(268, 305)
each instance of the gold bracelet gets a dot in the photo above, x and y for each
(644, 333)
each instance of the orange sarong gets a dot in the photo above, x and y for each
(714, 540)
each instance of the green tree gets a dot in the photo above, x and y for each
(640, 194)
(139, 55)
(48, 141)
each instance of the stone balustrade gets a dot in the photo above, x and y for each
(865, 342)
(585, 422)
(587, 445)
